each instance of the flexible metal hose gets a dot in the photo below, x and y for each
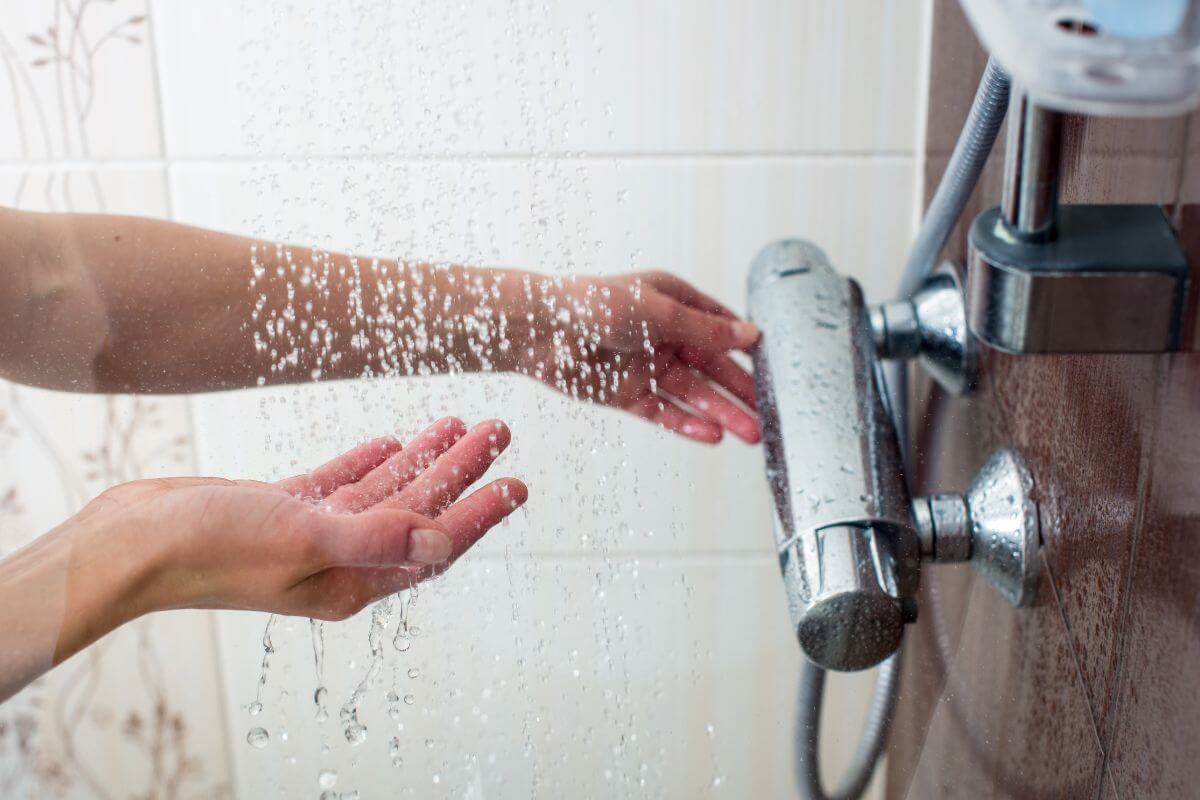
(949, 200)
(875, 730)
(958, 181)
(962, 173)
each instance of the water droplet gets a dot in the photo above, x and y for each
(258, 737)
(356, 733)
(327, 778)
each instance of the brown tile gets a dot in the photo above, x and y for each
(1011, 720)
(1187, 221)
(1189, 191)
(957, 61)
(1104, 662)
(1083, 425)
(1108, 789)
(1152, 742)
(986, 685)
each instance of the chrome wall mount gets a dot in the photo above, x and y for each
(1113, 279)
(850, 538)
(1044, 278)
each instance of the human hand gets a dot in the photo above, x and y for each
(647, 342)
(371, 522)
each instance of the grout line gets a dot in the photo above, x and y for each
(156, 81)
(440, 158)
(1112, 782)
(1087, 697)
(1181, 176)
(1145, 485)
(925, 82)
(210, 619)
(657, 556)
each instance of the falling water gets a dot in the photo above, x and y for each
(552, 615)
(320, 694)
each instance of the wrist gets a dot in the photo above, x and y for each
(109, 578)
(523, 321)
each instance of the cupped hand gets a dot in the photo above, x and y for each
(371, 522)
(649, 343)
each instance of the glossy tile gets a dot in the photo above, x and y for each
(121, 190)
(1151, 748)
(79, 81)
(1069, 416)
(247, 79)
(141, 707)
(704, 219)
(1011, 719)
(576, 677)
(600, 480)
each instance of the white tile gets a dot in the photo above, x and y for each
(77, 80)
(63, 448)
(123, 713)
(599, 479)
(133, 710)
(577, 678)
(702, 218)
(423, 76)
(138, 190)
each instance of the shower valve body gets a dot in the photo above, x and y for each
(850, 539)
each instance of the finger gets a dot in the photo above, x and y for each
(672, 321)
(728, 374)
(398, 471)
(339, 592)
(685, 384)
(470, 518)
(664, 412)
(379, 537)
(346, 468)
(460, 466)
(684, 292)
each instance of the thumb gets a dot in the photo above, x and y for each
(384, 537)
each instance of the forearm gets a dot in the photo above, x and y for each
(125, 304)
(61, 593)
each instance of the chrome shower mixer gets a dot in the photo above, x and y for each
(850, 539)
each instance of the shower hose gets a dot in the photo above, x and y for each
(958, 181)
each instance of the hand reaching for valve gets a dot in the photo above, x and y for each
(371, 522)
(646, 342)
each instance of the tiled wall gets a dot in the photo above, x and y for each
(626, 635)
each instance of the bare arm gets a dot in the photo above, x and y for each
(373, 521)
(103, 303)
(126, 304)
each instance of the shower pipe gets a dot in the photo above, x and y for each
(949, 200)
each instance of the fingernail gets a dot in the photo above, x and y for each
(427, 546)
(745, 332)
